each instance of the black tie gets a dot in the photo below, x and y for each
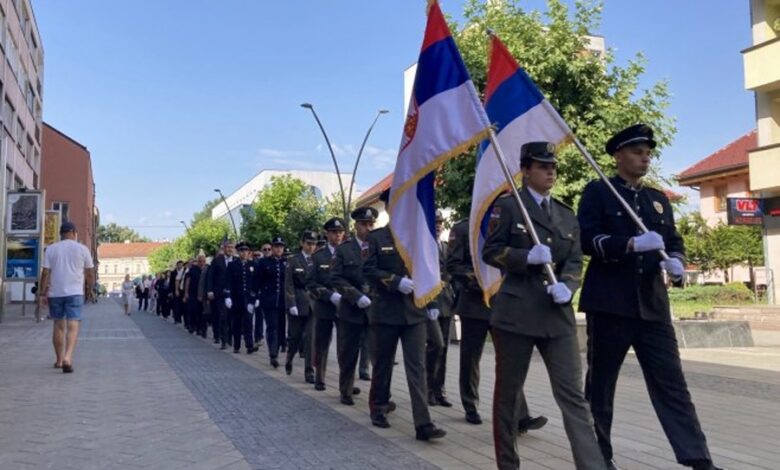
(546, 208)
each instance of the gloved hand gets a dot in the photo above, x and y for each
(674, 267)
(406, 285)
(257, 303)
(433, 313)
(560, 293)
(650, 241)
(335, 298)
(294, 311)
(363, 302)
(539, 254)
(250, 308)
(228, 303)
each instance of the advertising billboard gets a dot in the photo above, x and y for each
(745, 211)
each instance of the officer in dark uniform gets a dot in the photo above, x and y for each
(625, 298)
(347, 278)
(474, 326)
(241, 296)
(395, 317)
(528, 311)
(298, 303)
(439, 329)
(216, 286)
(271, 272)
(326, 299)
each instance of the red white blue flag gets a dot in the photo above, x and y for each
(445, 118)
(519, 113)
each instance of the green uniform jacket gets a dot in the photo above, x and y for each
(295, 284)
(468, 294)
(319, 286)
(383, 270)
(522, 304)
(446, 299)
(346, 277)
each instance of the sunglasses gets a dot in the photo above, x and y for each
(266, 249)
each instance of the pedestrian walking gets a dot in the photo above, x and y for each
(241, 296)
(128, 292)
(271, 272)
(298, 305)
(625, 299)
(194, 305)
(439, 329)
(216, 289)
(67, 270)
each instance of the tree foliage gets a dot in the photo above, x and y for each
(595, 96)
(205, 235)
(114, 233)
(286, 207)
(205, 212)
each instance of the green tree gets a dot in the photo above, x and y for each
(205, 235)
(205, 212)
(695, 233)
(595, 96)
(114, 233)
(286, 207)
(165, 256)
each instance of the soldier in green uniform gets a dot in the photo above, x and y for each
(439, 329)
(298, 304)
(347, 278)
(326, 299)
(528, 311)
(395, 317)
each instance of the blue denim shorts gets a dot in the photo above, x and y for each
(66, 308)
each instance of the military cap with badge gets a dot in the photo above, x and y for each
(364, 214)
(632, 135)
(336, 224)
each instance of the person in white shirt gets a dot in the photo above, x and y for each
(67, 268)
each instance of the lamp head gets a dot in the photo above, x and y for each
(306, 105)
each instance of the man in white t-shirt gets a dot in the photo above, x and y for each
(67, 268)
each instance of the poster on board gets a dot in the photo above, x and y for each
(23, 213)
(22, 256)
(51, 228)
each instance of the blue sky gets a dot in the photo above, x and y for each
(176, 97)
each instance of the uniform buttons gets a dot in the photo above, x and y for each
(640, 270)
(549, 240)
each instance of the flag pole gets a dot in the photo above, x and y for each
(516, 194)
(629, 210)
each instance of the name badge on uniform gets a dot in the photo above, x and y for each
(324, 266)
(386, 249)
(299, 270)
(520, 226)
(658, 207)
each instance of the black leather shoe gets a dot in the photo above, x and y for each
(429, 431)
(365, 376)
(380, 421)
(236, 351)
(355, 391)
(705, 465)
(250, 350)
(391, 406)
(309, 379)
(216, 340)
(223, 347)
(347, 401)
(283, 349)
(473, 417)
(611, 465)
(319, 387)
(288, 368)
(443, 401)
(274, 363)
(531, 424)
(432, 401)
(256, 348)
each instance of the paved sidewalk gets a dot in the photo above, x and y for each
(146, 394)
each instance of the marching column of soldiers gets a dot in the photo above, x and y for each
(360, 286)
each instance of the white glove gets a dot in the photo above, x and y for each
(406, 285)
(650, 241)
(559, 292)
(228, 303)
(674, 267)
(250, 308)
(294, 311)
(335, 298)
(257, 303)
(433, 313)
(363, 302)
(539, 254)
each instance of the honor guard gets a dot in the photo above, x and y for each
(271, 272)
(395, 317)
(347, 278)
(326, 299)
(241, 296)
(626, 301)
(216, 287)
(439, 329)
(530, 312)
(298, 303)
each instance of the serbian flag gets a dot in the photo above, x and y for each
(445, 119)
(519, 113)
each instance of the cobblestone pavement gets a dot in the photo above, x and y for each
(146, 394)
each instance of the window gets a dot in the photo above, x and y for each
(721, 195)
(19, 134)
(115, 268)
(8, 115)
(63, 207)
(127, 269)
(18, 183)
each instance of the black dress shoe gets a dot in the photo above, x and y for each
(391, 406)
(236, 351)
(432, 401)
(429, 431)
(355, 391)
(288, 368)
(380, 421)
(703, 465)
(216, 340)
(443, 401)
(274, 363)
(347, 401)
(250, 350)
(283, 349)
(256, 348)
(611, 465)
(309, 379)
(473, 417)
(319, 387)
(365, 376)
(223, 347)
(529, 424)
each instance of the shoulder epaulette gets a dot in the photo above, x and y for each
(561, 203)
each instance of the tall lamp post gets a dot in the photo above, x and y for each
(185, 226)
(230, 213)
(310, 107)
(360, 153)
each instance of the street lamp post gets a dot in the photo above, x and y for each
(310, 107)
(360, 153)
(230, 213)
(185, 226)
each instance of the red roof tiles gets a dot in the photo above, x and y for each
(731, 157)
(127, 250)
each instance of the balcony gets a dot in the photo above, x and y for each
(762, 69)
(764, 163)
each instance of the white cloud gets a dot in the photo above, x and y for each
(381, 158)
(280, 153)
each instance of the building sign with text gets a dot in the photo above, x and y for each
(745, 211)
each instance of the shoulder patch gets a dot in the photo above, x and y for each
(561, 203)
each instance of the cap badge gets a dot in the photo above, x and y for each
(336, 223)
(550, 147)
